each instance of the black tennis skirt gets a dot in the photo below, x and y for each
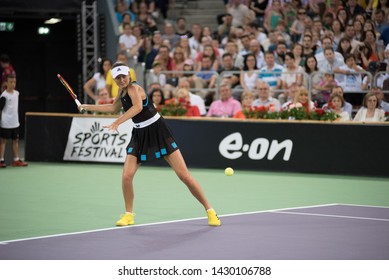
(152, 142)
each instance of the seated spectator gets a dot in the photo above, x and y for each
(303, 97)
(344, 46)
(349, 81)
(326, 42)
(147, 53)
(314, 76)
(188, 51)
(195, 40)
(259, 8)
(224, 28)
(178, 61)
(153, 86)
(336, 102)
(370, 112)
(156, 95)
(127, 17)
(290, 93)
(189, 67)
(143, 11)
(264, 98)
(217, 46)
(291, 74)
(194, 98)
(237, 59)
(308, 44)
(240, 13)
(273, 15)
(337, 29)
(255, 48)
(127, 41)
(226, 106)
(297, 28)
(247, 104)
(207, 32)
(324, 87)
(151, 26)
(380, 95)
(156, 75)
(182, 31)
(244, 44)
(365, 54)
(170, 34)
(331, 62)
(370, 38)
(298, 51)
(249, 74)
(121, 8)
(279, 52)
(206, 78)
(347, 106)
(183, 97)
(103, 97)
(164, 58)
(230, 74)
(282, 29)
(209, 51)
(271, 73)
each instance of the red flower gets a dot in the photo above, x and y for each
(319, 111)
(260, 108)
(331, 105)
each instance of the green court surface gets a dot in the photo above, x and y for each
(53, 198)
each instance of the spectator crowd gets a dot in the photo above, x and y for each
(277, 53)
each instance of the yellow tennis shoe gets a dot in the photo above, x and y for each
(126, 220)
(213, 219)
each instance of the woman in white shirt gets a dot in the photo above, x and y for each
(336, 104)
(370, 111)
(292, 74)
(249, 73)
(97, 82)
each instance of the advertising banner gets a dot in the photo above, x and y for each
(89, 141)
(329, 148)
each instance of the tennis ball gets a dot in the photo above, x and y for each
(229, 171)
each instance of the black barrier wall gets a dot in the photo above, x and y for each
(330, 148)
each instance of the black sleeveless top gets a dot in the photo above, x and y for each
(147, 112)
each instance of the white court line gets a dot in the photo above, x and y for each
(333, 216)
(5, 242)
(361, 205)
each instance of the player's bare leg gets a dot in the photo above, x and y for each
(177, 162)
(130, 167)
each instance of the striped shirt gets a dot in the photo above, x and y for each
(270, 78)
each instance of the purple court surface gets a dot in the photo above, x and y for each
(327, 232)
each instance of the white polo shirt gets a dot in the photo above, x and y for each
(9, 114)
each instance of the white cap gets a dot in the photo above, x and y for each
(120, 70)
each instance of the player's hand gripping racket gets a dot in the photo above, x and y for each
(71, 92)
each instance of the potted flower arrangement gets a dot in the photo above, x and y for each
(293, 112)
(174, 108)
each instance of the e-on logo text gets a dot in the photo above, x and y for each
(232, 147)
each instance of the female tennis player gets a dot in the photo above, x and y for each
(151, 140)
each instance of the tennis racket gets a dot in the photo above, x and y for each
(71, 92)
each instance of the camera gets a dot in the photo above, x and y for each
(374, 67)
(361, 48)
